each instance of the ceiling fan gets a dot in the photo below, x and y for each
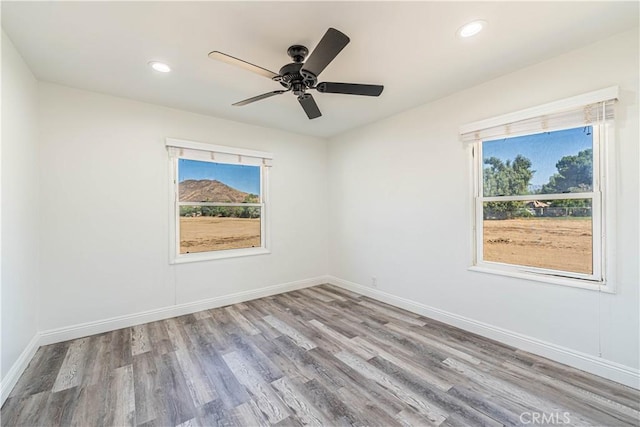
(300, 75)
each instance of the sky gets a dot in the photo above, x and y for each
(544, 149)
(241, 177)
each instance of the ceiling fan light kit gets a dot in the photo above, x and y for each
(300, 76)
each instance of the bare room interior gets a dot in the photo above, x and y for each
(320, 213)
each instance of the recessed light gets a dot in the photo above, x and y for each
(471, 29)
(160, 66)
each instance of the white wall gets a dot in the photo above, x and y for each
(20, 203)
(400, 208)
(104, 208)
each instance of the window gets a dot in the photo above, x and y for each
(539, 191)
(219, 201)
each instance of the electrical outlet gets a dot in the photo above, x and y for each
(374, 281)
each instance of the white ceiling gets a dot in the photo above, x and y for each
(410, 47)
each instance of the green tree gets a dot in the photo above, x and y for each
(251, 198)
(575, 174)
(506, 179)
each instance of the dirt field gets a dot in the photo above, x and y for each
(555, 243)
(205, 233)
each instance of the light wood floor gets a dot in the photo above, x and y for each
(320, 356)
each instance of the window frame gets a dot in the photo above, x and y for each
(602, 196)
(175, 257)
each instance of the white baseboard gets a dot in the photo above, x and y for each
(90, 328)
(602, 367)
(11, 378)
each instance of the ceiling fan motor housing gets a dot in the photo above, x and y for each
(290, 76)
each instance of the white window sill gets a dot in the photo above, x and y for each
(545, 278)
(209, 256)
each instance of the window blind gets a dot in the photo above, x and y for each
(583, 110)
(217, 153)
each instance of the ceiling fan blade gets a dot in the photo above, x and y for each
(327, 49)
(350, 88)
(259, 97)
(244, 64)
(309, 106)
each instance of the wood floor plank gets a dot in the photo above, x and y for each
(624, 395)
(189, 423)
(291, 370)
(159, 338)
(71, 371)
(177, 334)
(200, 389)
(369, 410)
(227, 385)
(495, 406)
(514, 392)
(98, 360)
(216, 414)
(402, 362)
(346, 294)
(592, 406)
(433, 414)
(301, 340)
(201, 315)
(316, 356)
(329, 404)
(221, 328)
(91, 408)
(199, 332)
(312, 294)
(393, 341)
(248, 414)
(332, 295)
(306, 363)
(42, 371)
(60, 407)
(410, 418)
(304, 410)
(120, 348)
(457, 412)
(338, 313)
(343, 341)
(140, 342)
(238, 317)
(339, 320)
(396, 314)
(263, 395)
(146, 386)
(27, 411)
(292, 316)
(121, 409)
(445, 349)
(483, 348)
(256, 318)
(260, 363)
(175, 405)
(370, 399)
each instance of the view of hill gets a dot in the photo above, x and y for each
(207, 190)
